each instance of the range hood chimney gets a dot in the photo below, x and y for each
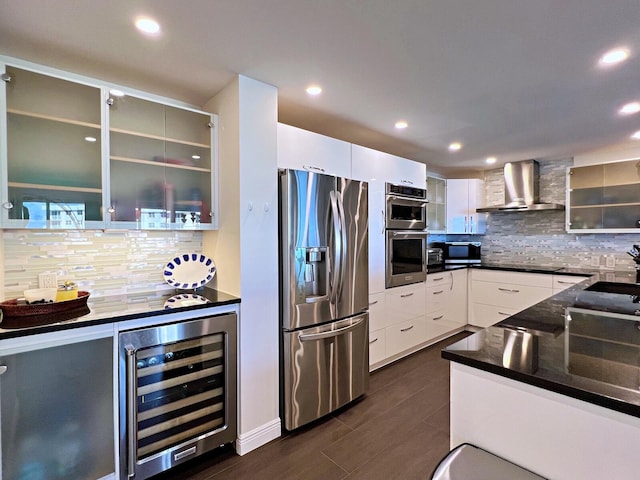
(521, 187)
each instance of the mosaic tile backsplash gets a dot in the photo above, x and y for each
(101, 262)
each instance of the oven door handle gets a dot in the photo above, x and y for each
(330, 333)
(416, 233)
(132, 434)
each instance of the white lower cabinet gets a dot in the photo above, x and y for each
(487, 315)
(562, 282)
(496, 294)
(405, 335)
(377, 346)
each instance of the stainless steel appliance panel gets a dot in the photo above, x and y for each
(325, 368)
(353, 290)
(177, 393)
(406, 207)
(324, 248)
(309, 238)
(406, 257)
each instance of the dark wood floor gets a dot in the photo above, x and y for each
(399, 430)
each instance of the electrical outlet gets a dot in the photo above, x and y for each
(48, 280)
(610, 261)
(595, 261)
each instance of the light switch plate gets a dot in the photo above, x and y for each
(48, 280)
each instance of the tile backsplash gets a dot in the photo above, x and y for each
(101, 262)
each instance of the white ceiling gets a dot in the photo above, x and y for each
(514, 79)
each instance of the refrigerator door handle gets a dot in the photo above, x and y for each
(337, 254)
(331, 333)
(343, 236)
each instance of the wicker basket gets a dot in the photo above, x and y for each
(11, 308)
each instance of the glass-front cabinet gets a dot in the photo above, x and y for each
(52, 176)
(436, 208)
(604, 197)
(160, 164)
(76, 154)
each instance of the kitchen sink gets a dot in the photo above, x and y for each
(614, 287)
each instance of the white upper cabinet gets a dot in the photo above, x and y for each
(463, 197)
(304, 150)
(374, 166)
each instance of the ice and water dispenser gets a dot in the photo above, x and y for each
(312, 273)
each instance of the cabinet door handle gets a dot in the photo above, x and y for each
(438, 279)
(383, 222)
(373, 303)
(406, 329)
(438, 292)
(564, 283)
(3, 369)
(438, 318)
(508, 290)
(505, 314)
(131, 397)
(311, 167)
(406, 295)
(373, 341)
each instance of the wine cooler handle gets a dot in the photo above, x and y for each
(132, 434)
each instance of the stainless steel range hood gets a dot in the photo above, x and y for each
(521, 187)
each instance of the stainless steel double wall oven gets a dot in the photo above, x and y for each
(406, 223)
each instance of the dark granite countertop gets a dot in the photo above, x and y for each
(581, 342)
(116, 308)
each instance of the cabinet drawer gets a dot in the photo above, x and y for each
(405, 335)
(438, 297)
(508, 295)
(487, 315)
(377, 346)
(437, 324)
(403, 303)
(515, 278)
(438, 278)
(562, 282)
(377, 316)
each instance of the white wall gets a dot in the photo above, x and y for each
(247, 244)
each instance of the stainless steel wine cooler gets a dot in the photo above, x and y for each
(177, 393)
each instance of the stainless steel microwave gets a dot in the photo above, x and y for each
(406, 208)
(461, 252)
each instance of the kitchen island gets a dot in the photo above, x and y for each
(555, 388)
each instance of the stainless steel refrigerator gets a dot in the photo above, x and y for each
(323, 294)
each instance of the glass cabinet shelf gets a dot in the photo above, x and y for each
(54, 119)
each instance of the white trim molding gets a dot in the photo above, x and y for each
(257, 437)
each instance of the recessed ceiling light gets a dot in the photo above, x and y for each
(629, 108)
(147, 25)
(636, 136)
(91, 139)
(612, 57)
(490, 160)
(116, 93)
(400, 124)
(314, 90)
(455, 146)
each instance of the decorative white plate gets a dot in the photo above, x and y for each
(185, 300)
(189, 270)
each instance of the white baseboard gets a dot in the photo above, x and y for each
(257, 437)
